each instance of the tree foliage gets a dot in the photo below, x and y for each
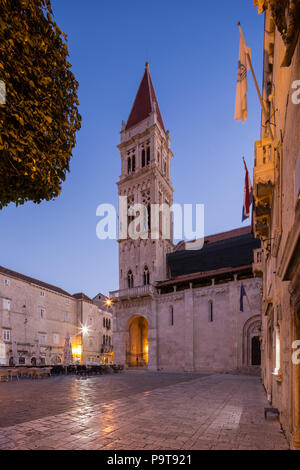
(39, 121)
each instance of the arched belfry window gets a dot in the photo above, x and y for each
(130, 161)
(130, 279)
(143, 158)
(146, 276)
(148, 155)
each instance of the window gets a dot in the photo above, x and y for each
(277, 350)
(6, 282)
(42, 313)
(42, 337)
(171, 322)
(6, 335)
(67, 317)
(67, 301)
(148, 155)
(143, 158)
(55, 338)
(133, 163)
(146, 276)
(148, 215)
(210, 311)
(109, 340)
(91, 320)
(130, 279)
(42, 293)
(6, 304)
(21, 360)
(104, 322)
(129, 165)
(103, 339)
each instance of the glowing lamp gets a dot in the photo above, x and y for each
(77, 350)
(84, 329)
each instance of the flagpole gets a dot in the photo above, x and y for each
(267, 121)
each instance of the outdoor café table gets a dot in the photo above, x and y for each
(13, 373)
(22, 371)
(4, 373)
(37, 372)
(32, 372)
(47, 370)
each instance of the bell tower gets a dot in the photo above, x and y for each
(145, 179)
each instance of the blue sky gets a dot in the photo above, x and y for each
(192, 49)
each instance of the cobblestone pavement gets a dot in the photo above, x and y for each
(137, 410)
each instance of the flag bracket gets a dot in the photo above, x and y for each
(265, 113)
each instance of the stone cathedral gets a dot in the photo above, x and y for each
(179, 309)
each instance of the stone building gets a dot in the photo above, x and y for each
(176, 308)
(276, 217)
(36, 318)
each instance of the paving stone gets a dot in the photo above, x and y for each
(137, 411)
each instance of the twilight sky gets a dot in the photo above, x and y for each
(192, 49)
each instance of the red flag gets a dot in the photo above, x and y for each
(247, 194)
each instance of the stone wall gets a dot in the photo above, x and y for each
(181, 333)
(281, 255)
(34, 312)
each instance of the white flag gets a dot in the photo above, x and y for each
(241, 110)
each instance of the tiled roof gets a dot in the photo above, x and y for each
(82, 296)
(201, 275)
(218, 237)
(31, 280)
(226, 250)
(143, 103)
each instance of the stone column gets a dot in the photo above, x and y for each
(152, 356)
(153, 338)
(119, 347)
(189, 329)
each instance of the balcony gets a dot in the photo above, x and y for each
(263, 187)
(129, 293)
(257, 267)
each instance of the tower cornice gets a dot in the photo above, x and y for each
(139, 175)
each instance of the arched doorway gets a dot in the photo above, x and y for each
(251, 341)
(255, 351)
(137, 342)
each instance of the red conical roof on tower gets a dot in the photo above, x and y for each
(143, 103)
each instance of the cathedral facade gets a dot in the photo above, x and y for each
(177, 308)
